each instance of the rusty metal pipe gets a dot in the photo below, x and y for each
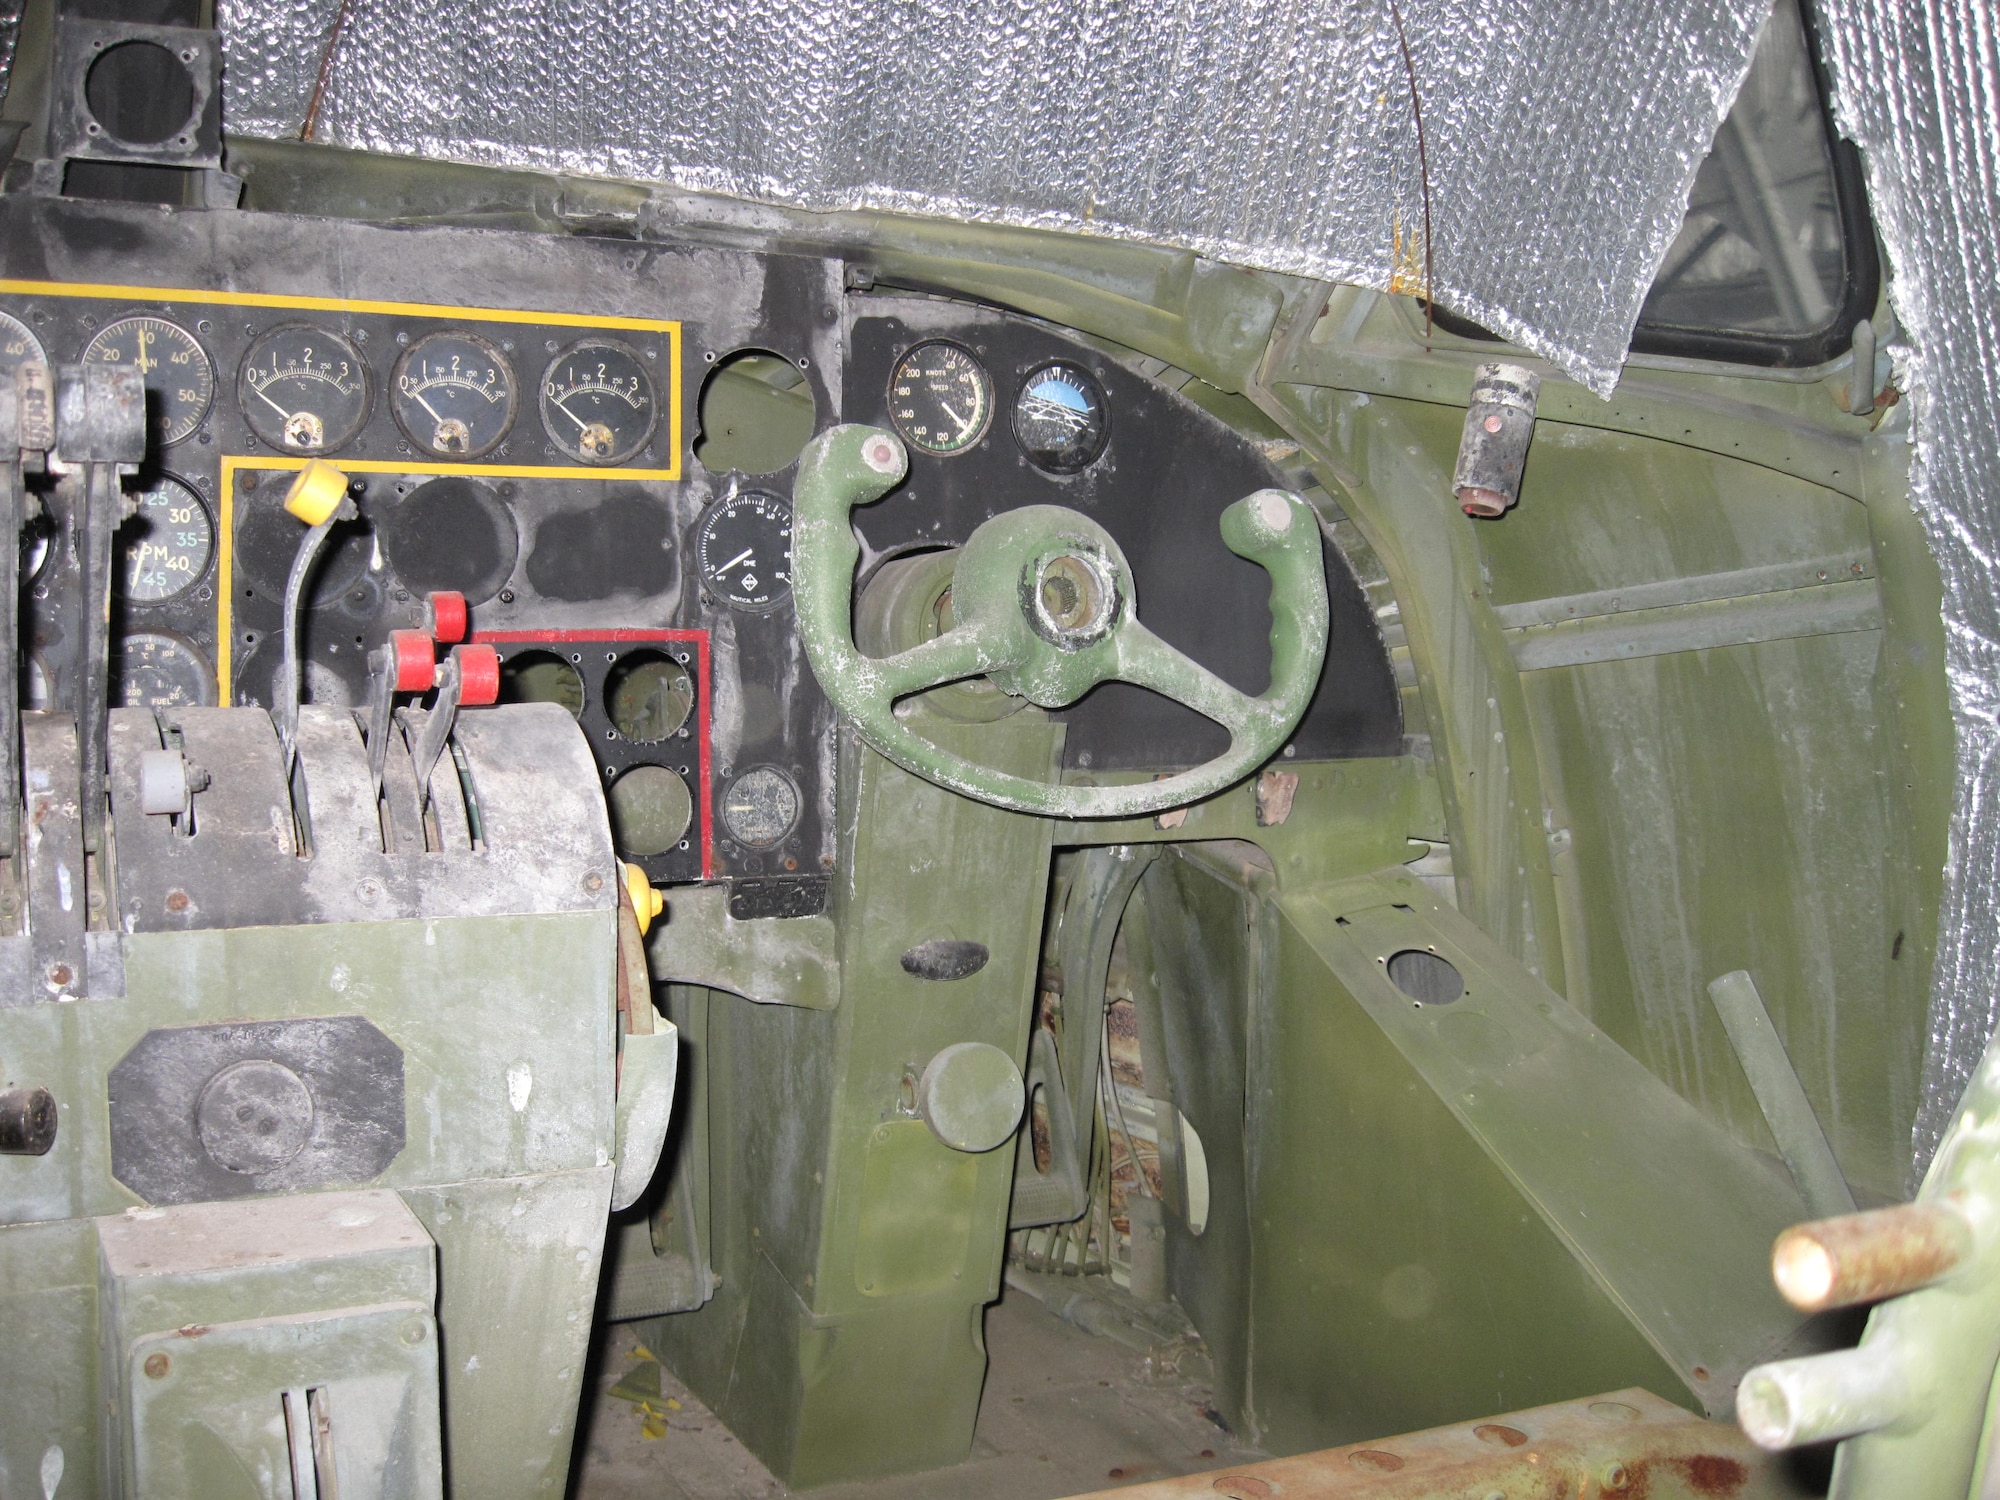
(1869, 1256)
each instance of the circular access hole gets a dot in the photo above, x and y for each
(650, 810)
(1424, 977)
(648, 696)
(756, 414)
(542, 677)
(140, 93)
(453, 533)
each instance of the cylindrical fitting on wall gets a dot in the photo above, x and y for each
(1498, 424)
(1826, 1396)
(27, 1122)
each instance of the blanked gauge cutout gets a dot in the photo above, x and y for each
(453, 533)
(1425, 977)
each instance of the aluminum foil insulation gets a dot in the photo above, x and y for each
(1562, 135)
(1917, 87)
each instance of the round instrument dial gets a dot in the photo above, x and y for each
(167, 544)
(180, 382)
(1060, 418)
(940, 398)
(454, 395)
(760, 807)
(156, 669)
(743, 549)
(18, 346)
(303, 389)
(597, 401)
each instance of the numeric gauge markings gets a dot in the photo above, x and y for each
(453, 395)
(167, 544)
(303, 389)
(18, 346)
(743, 549)
(597, 401)
(180, 382)
(940, 398)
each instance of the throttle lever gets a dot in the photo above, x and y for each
(407, 664)
(468, 678)
(100, 427)
(27, 432)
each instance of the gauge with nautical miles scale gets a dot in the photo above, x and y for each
(743, 549)
(940, 398)
(180, 382)
(1060, 417)
(454, 395)
(303, 389)
(597, 401)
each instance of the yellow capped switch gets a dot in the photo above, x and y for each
(647, 903)
(316, 494)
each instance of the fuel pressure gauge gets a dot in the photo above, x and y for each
(453, 394)
(597, 401)
(743, 549)
(303, 389)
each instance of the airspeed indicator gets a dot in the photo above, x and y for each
(940, 398)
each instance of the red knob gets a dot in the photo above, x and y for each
(415, 656)
(478, 675)
(448, 616)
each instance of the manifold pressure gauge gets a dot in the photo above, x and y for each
(303, 389)
(453, 394)
(18, 346)
(743, 549)
(180, 382)
(597, 401)
(940, 398)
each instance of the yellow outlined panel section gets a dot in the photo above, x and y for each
(669, 327)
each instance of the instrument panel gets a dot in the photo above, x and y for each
(616, 511)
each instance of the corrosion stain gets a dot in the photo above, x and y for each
(1375, 1459)
(1713, 1474)
(1495, 1432)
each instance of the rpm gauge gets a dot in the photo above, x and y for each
(167, 543)
(303, 389)
(453, 394)
(1060, 418)
(743, 549)
(157, 669)
(180, 382)
(597, 401)
(940, 398)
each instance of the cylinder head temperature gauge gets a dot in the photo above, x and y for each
(303, 389)
(597, 401)
(454, 395)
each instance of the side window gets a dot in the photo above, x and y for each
(1775, 261)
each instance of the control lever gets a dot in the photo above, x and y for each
(408, 664)
(468, 678)
(100, 428)
(319, 498)
(27, 432)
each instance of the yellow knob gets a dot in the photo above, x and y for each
(316, 494)
(647, 903)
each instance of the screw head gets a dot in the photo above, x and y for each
(156, 1366)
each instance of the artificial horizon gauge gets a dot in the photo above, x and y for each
(453, 394)
(18, 346)
(743, 549)
(166, 545)
(1060, 417)
(180, 382)
(158, 669)
(597, 401)
(303, 389)
(760, 807)
(940, 398)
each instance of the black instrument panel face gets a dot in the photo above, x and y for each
(1071, 426)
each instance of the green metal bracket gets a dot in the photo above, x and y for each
(775, 961)
(1044, 605)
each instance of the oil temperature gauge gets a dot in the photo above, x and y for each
(167, 544)
(303, 389)
(597, 401)
(180, 382)
(743, 549)
(454, 395)
(157, 669)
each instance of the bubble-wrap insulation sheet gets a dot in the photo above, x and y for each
(1562, 135)
(1918, 88)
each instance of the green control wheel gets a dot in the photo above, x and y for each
(1043, 607)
